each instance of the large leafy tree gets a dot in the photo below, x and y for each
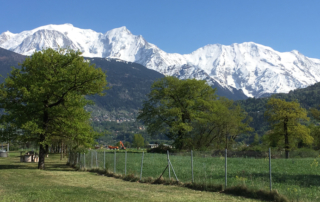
(231, 121)
(189, 112)
(285, 119)
(174, 104)
(138, 140)
(315, 127)
(221, 127)
(46, 97)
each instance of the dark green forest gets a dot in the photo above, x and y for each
(307, 97)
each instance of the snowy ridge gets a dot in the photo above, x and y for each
(256, 69)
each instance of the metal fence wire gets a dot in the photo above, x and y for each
(297, 177)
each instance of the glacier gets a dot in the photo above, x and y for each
(255, 69)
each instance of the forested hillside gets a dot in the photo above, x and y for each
(129, 82)
(7, 60)
(307, 97)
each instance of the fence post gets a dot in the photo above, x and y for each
(104, 159)
(226, 169)
(168, 164)
(91, 159)
(114, 162)
(97, 159)
(192, 166)
(84, 160)
(141, 166)
(173, 171)
(80, 166)
(270, 179)
(125, 163)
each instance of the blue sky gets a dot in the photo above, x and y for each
(181, 26)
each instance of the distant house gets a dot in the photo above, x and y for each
(153, 146)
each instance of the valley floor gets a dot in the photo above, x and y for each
(23, 182)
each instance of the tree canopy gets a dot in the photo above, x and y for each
(315, 127)
(285, 118)
(190, 113)
(138, 140)
(46, 98)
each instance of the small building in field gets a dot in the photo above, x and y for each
(151, 146)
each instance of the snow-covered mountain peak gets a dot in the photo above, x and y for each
(118, 33)
(121, 29)
(296, 52)
(5, 36)
(8, 33)
(254, 68)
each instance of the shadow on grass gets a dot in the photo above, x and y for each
(34, 166)
(58, 167)
(16, 167)
(302, 180)
(51, 164)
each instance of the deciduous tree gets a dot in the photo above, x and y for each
(138, 140)
(46, 97)
(190, 113)
(315, 127)
(285, 119)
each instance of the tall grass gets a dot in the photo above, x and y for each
(298, 179)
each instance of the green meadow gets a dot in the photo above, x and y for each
(298, 179)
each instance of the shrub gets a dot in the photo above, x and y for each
(304, 153)
(160, 149)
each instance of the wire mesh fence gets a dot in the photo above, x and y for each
(297, 177)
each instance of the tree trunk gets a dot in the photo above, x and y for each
(42, 153)
(180, 139)
(286, 138)
(42, 150)
(47, 149)
(61, 153)
(287, 146)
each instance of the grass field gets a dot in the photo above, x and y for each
(23, 182)
(297, 179)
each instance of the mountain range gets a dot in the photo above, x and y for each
(129, 82)
(239, 70)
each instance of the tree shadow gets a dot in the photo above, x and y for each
(49, 166)
(19, 166)
(58, 167)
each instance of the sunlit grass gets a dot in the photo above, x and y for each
(23, 182)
